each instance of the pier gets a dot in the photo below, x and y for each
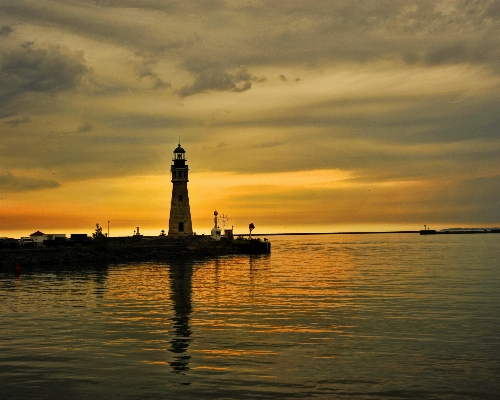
(133, 249)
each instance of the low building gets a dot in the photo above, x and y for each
(53, 236)
(228, 234)
(81, 239)
(38, 237)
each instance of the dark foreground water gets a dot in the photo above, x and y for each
(337, 316)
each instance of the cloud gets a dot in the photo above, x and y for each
(89, 19)
(493, 10)
(86, 127)
(457, 202)
(171, 6)
(280, 32)
(145, 71)
(479, 52)
(42, 70)
(140, 121)
(6, 30)
(18, 121)
(391, 90)
(217, 79)
(12, 184)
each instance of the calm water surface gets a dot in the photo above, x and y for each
(333, 316)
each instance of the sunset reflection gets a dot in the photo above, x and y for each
(323, 316)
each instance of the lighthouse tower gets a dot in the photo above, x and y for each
(180, 213)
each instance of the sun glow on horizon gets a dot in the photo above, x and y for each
(274, 201)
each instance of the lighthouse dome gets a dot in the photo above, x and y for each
(179, 155)
(179, 149)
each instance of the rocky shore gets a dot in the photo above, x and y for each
(132, 249)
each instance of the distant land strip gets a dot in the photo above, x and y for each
(322, 233)
(443, 232)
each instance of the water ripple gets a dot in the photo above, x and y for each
(335, 316)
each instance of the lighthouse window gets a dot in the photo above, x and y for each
(181, 226)
(180, 197)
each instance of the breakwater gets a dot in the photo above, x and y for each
(458, 231)
(131, 249)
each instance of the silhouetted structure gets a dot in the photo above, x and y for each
(180, 213)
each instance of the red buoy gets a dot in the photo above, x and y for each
(18, 270)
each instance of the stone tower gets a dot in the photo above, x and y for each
(180, 213)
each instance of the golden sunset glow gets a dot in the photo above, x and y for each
(297, 116)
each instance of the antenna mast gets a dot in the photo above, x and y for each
(224, 218)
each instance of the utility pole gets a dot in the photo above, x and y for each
(224, 219)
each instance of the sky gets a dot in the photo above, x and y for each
(298, 116)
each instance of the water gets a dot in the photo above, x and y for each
(333, 316)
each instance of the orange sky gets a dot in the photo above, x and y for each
(296, 116)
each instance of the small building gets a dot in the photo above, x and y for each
(228, 234)
(54, 236)
(38, 237)
(81, 239)
(26, 243)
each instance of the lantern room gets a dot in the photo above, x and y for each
(179, 156)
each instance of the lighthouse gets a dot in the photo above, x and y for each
(180, 213)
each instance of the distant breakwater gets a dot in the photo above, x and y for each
(132, 249)
(458, 231)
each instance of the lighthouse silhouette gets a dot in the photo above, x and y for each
(180, 213)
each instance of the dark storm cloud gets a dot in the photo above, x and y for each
(12, 184)
(46, 70)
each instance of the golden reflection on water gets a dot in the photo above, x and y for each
(320, 315)
(235, 353)
(211, 368)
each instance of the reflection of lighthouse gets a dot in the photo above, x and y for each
(180, 293)
(180, 213)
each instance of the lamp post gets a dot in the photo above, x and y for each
(108, 227)
(251, 227)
